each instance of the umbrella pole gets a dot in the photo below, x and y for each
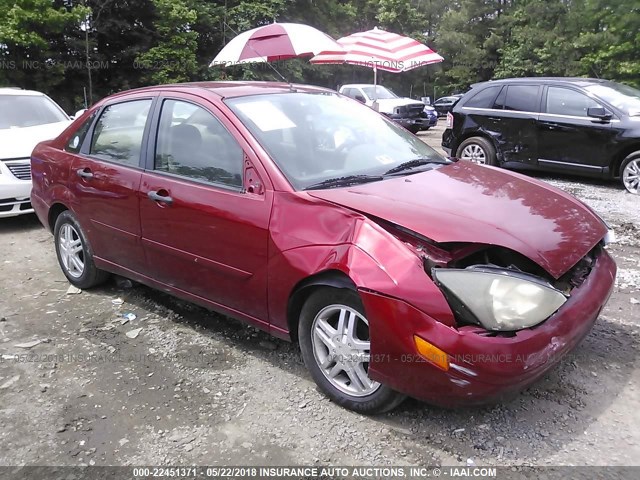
(375, 87)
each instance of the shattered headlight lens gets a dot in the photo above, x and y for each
(498, 299)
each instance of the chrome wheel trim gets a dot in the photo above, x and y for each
(631, 176)
(71, 251)
(474, 153)
(340, 352)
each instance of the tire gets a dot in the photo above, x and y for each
(630, 173)
(77, 266)
(478, 150)
(413, 129)
(319, 318)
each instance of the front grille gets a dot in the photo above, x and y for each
(415, 110)
(21, 171)
(8, 204)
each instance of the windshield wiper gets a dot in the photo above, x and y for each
(345, 181)
(411, 164)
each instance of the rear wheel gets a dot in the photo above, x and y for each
(630, 173)
(74, 253)
(477, 150)
(335, 343)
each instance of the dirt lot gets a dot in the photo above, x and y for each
(194, 387)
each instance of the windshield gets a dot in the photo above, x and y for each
(622, 97)
(382, 93)
(19, 111)
(317, 137)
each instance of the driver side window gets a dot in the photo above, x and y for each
(564, 101)
(193, 143)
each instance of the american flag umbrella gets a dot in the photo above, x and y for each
(277, 41)
(380, 50)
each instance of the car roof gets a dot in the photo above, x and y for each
(230, 89)
(579, 81)
(16, 91)
(360, 85)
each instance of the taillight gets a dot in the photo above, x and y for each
(449, 120)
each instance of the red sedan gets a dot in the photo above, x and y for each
(313, 217)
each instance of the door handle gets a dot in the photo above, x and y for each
(84, 173)
(156, 197)
(551, 126)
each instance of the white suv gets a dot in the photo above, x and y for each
(26, 119)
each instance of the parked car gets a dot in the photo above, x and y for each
(409, 113)
(581, 126)
(443, 105)
(431, 114)
(26, 118)
(313, 217)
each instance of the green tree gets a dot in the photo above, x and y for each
(173, 57)
(33, 34)
(608, 39)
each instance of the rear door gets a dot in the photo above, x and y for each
(205, 208)
(568, 138)
(107, 172)
(515, 117)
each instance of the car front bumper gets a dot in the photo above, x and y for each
(482, 368)
(14, 192)
(411, 122)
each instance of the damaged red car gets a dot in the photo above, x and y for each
(311, 216)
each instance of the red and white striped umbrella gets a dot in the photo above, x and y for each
(380, 50)
(277, 41)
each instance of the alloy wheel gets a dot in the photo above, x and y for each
(474, 153)
(631, 176)
(71, 250)
(341, 347)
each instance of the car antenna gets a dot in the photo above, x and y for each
(291, 88)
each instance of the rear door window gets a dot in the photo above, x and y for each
(565, 101)
(350, 92)
(484, 98)
(117, 136)
(520, 98)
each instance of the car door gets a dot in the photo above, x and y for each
(568, 138)
(515, 114)
(205, 208)
(106, 174)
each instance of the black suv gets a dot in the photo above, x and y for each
(575, 125)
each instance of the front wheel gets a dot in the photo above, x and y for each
(477, 150)
(335, 344)
(630, 173)
(74, 253)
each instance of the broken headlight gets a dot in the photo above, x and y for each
(498, 299)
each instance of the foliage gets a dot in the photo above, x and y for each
(67, 47)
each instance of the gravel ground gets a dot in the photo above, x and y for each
(180, 385)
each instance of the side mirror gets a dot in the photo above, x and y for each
(599, 113)
(78, 113)
(360, 98)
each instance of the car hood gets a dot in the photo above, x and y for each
(463, 202)
(20, 142)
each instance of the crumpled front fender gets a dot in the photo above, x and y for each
(372, 258)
